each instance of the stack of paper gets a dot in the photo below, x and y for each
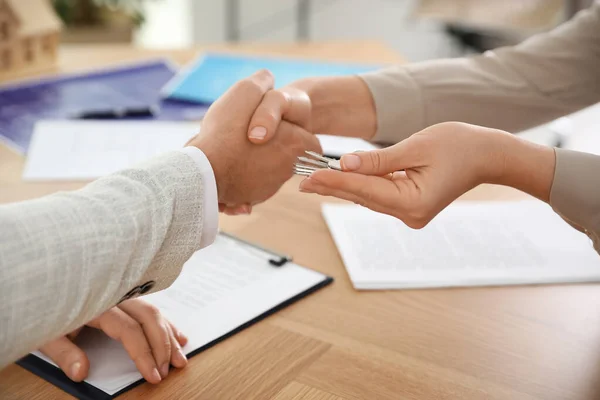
(468, 244)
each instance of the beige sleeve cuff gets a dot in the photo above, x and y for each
(398, 116)
(575, 193)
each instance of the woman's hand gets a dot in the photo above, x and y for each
(151, 341)
(417, 178)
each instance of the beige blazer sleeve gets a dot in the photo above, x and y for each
(68, 257)
(512, 88)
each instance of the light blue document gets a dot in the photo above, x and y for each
(206, 79)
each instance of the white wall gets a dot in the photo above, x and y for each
(179, 23)
(168, 25)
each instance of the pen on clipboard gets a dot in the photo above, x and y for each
(279, 260)
(118, 113)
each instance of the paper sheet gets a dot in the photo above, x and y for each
(221, 288)
(82, 150)
(467, 244)
(78, 150)
(337, 146)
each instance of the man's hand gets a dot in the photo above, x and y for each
(246, 173)
(151, 341)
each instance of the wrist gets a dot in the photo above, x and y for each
(218, 163)
(341, 106)
(523, 165)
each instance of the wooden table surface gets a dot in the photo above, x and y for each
(481, 343)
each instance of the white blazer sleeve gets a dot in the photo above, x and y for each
(68, 257)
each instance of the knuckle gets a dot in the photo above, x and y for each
(377, 159)
(270, 118)
(277, 96)
(247, 85)
(62, 355)
(132, 328)
(144, 355)
(265, 73)
(152, 310)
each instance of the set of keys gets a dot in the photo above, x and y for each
(306, 166)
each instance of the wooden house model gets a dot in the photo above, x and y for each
(29, 36)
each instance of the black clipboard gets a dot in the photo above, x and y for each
(85, 391)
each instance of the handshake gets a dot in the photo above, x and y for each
(252, 136)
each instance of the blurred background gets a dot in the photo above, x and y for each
(411, 30)
(417, 29)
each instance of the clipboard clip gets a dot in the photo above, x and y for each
(276, 259)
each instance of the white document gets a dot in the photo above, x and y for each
(468, 244)
(83, 150)
(578, 131)
(337, 146)
(220, 289)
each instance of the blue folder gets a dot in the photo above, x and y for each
(206, 79)
(137, 85)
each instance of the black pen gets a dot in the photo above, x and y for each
(117, 113)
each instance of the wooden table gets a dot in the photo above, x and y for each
(481, 343)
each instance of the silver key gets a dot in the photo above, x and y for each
(306, 166)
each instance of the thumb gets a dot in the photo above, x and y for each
(380, 162)
(242, 99)
(69, 358)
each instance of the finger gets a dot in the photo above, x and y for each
(120, 326)
(290, 104)
(155, 329)
(178, 358)
(311, 143)
(69, 358)
(71, 336)
(384, 161)
(244, 96)
(182, 339)
(371, 189)
(308, 141)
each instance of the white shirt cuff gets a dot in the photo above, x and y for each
(210, 203)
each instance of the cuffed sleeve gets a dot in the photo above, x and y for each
(575, 193)
(511, 88)
(68, 257)
(399, 104)
(210, 211)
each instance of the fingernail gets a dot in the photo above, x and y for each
(155, 376)
(258, 132)
(351, 162)
(75, 368)
(164, 370)
(247, 209)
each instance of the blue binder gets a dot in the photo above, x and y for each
(206, 79)
(132, 86)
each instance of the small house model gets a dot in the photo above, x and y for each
(29, 36)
